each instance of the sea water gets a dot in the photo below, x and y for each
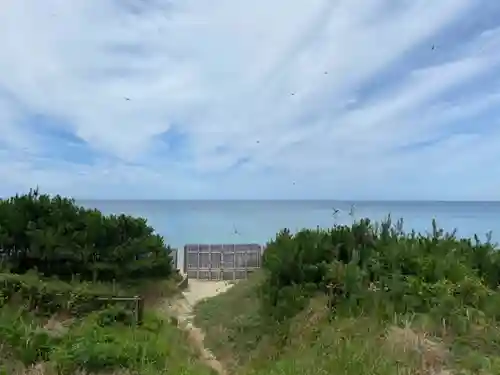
(211, 222)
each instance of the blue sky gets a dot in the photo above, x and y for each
(162, 99)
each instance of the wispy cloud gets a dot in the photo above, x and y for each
(236, 99)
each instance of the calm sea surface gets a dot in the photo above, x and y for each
(182, 222)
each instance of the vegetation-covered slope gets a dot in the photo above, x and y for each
(100, 343)
(362, 299)
(359, 299)
(60, 263)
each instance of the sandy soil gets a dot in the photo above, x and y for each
(182, 310)
(199, 290)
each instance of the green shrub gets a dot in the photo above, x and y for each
(85, 345)
(19, 333)
(57, 237)
(96, 348)
(115, 314)
(47, 297)
(365, 267)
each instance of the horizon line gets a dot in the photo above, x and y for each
(287, 200)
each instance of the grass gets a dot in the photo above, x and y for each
(232, 323)
(103, 342)
(86, 345)
(314, 342)
(60, 266)
(393, 304)
(351, 300)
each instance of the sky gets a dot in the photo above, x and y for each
(233, 99)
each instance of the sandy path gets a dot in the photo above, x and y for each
(182, 309)
(199, 290)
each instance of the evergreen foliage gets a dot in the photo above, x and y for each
(366, 267)
(56, 237)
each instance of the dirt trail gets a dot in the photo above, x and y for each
(182, 310)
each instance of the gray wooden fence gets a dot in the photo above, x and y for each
(221, 262)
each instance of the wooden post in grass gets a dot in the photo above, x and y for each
(329, 288)
(139, 310)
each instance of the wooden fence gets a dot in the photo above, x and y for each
(135, 304)
(221, 262)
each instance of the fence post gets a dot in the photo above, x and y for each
(245, 255)
(209, 263)
(329, 288)
(139, 310)
(185, 265)
(234, 262)
(198, 263)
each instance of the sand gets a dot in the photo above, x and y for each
(182, 310)
(198, 290)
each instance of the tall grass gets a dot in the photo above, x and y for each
(365, 298)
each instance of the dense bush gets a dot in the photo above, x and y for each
(55, 236)
(47, 297)
(366, 267)
(93, 345)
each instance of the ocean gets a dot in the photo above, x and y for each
(211, 222)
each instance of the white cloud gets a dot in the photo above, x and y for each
(289, 87)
